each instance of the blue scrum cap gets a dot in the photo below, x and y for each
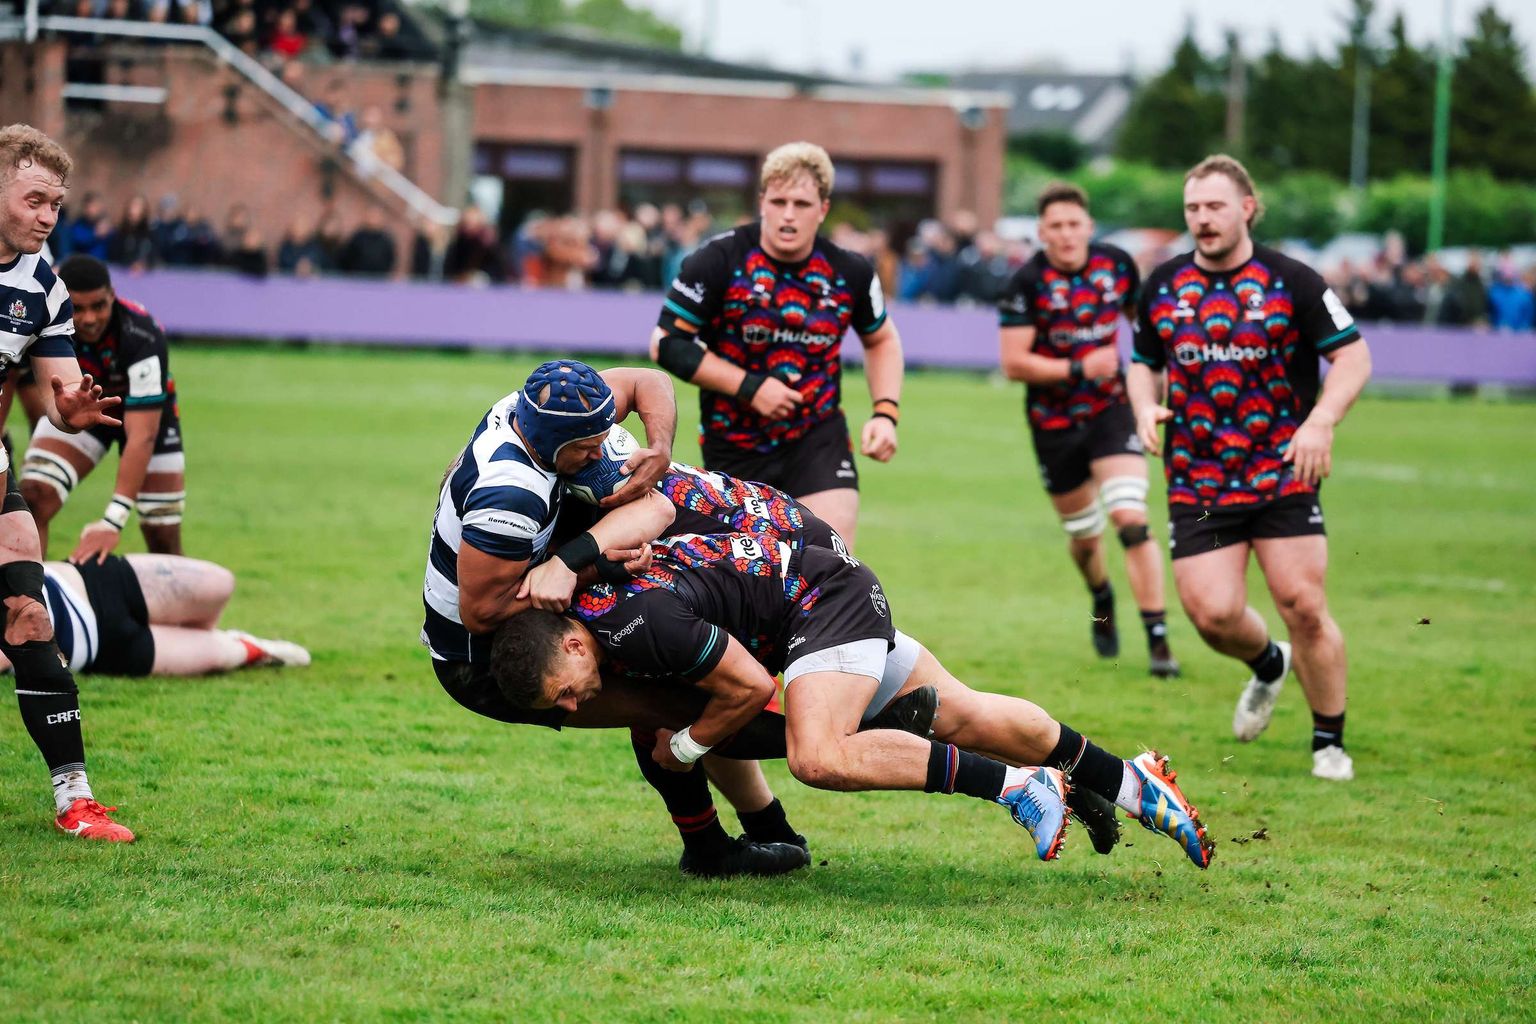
(563, 401)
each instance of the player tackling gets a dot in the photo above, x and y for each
(1227, 348)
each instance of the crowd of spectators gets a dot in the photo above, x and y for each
(276, 31)
(1484, 293)
(953, 262)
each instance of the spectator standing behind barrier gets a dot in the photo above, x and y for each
(1472, 292)
(1510, 303)
(298, 253)
(133, 242)
(85, 233)
(371, 249)
(473, 256)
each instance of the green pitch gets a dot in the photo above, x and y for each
(344, 843)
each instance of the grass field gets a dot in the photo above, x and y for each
(345, 843)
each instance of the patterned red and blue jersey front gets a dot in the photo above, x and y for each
(1072, 314)
(1241, 349)
(785, 320)
(713, 502)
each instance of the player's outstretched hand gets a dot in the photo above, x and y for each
(1310, 452)
(1103, 361)
(663, 755)
(775, 399)
(97, 541)
(549, 586)
(879, 439)
(644, 468)
(82, 406)
(1148, 419)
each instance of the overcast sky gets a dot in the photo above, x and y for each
(887, 37)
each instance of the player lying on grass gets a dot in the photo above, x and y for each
(141, 615)
(725, 611)
(492, 551)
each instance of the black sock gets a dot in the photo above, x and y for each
(1156, 625)
(1103, 599)
(1087, 764)
(1269, 666)
(686, 795)
(1327, 730)
(53, 720)
(769, 825)
(952, 770)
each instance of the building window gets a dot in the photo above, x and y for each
(725, 182)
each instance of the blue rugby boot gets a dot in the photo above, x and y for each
(1164, 808)
(1036, 797)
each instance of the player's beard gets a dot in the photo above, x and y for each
(1226, 247)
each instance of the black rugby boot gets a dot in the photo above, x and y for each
(741, 856)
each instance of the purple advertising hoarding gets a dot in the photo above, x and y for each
(394, 313)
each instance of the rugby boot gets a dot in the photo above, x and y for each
(1165, 809)
(741, 856)
(261, 652)
(1097, 816)
(1333, 763)
(1038, 803)
(1162, 663)
(1106, 638)
(89, 820)
(1257, 704)
(911, 712)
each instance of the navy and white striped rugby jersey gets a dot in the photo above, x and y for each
(36, 318)
(497, 499)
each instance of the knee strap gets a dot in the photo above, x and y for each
(44, 467)
(1085, 524)
(22, 579)
(1134, 536)
(1124, 494)
(161, 508)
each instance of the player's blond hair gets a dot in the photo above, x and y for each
(1232, 168)
(793, 159)
(21, 145)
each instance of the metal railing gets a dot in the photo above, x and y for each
(404, 188)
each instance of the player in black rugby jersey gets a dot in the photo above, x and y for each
(756, 319)
(723, 612)
(1237, 328)
(125, 349)
(1060, 317)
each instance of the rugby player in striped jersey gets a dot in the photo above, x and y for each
(36, 323)
(497, 512)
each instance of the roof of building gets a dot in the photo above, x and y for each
(1089, 107)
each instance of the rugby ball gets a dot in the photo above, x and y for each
(602, 476)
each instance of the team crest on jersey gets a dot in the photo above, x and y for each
(877, 598)
(18, 310)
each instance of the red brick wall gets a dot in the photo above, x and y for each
(970, 162)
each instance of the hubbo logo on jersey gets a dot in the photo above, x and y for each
(1190, 353)
(758, 334)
